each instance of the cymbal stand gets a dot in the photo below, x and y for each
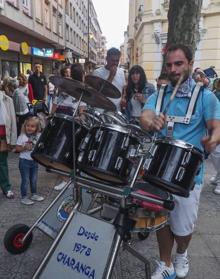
(73, 174)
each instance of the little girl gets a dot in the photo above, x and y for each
(30, 133)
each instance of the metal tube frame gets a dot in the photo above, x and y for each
(45, 212)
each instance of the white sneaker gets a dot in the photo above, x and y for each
(217, 189)
(26, 201)
(214, 179)
(36, 197)
(60, 186)
(163, 271)
(181, 265)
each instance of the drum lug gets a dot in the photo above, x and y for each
(132, 153)
(125, 143)
(152, 150)
(118, 163)
(98, 135)
(186, 159)
(147, 164)
(52, 122)
(80, 157)
(180, 174)
(40, 145)
(84, 142)
(67, 154)
(91, 156)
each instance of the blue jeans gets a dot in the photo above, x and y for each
(28, 170)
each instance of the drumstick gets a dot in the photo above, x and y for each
(174, 93)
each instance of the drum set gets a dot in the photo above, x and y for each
(130, 178)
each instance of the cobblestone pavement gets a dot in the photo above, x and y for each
(204, 251)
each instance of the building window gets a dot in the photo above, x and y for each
(47, 16)
(26, 6)
(74, 38)
(13, 3)
(54, 21)
(71, 35)
(74, 15)
(38, 11)
(60, 25)
(67, 7)
(71, 10)
(67, 33)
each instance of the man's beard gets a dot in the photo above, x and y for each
(174, 81)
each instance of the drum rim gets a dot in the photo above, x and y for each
(90, 114)
(113, 114)
(114, 127)
(179, 143)
(63, 116)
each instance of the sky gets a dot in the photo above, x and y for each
(113, 19)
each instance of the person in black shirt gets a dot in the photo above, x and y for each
(38, 82)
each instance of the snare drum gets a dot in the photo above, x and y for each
(54, 148)
(106, 151)
(149, 216)
(113, 117)
(172, 166)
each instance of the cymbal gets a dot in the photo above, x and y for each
(103, 86)
(76, 88)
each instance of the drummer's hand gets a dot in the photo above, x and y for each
(209, 143)
(158, 122)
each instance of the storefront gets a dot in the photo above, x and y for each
(19, 52)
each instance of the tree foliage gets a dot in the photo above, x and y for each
(183, 19)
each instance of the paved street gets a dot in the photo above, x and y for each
(204, 250)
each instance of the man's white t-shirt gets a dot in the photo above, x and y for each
(118, 81)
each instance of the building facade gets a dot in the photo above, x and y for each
(147, 35)
(50, 32)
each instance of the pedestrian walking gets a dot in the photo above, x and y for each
(28, 168)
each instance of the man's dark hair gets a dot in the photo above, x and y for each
(142, 82)
(186, 50)
(77, 71)
(63, 70)
(113, 51)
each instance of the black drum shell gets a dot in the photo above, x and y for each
(109, 151)
(173, 167)
(54, 148)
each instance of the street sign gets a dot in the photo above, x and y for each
(83, 250)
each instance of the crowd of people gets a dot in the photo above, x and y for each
(139, 102)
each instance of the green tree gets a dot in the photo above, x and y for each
(183, 20)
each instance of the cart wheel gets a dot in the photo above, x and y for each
(13, 239)
(143, 235)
